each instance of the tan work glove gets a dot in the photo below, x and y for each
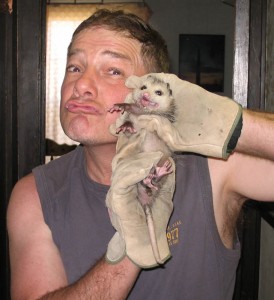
(126, 213)
(206, 123)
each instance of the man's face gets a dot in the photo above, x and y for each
(98, 64)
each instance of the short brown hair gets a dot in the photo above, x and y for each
(153, 50)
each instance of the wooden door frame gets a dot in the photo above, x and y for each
(249, 90)
(22, 96)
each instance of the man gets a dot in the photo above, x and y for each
(58, 224)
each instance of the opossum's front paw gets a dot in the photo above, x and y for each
(117, 107)
(126, 127)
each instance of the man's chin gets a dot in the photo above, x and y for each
(93, 140)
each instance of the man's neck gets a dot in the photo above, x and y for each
(98, 159)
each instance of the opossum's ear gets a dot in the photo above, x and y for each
(133, 82)
(169, 89)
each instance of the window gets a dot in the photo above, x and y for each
(61, 22)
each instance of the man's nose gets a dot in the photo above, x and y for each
(85, 86)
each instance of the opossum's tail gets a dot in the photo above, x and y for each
(152, 235)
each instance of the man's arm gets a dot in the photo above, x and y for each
(235, 180)
(36, 266)
(257, 136)
(103, 281)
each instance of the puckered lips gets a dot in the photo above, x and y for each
(81, 108)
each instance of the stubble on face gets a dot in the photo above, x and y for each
(98, 72)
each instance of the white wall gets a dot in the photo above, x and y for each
(175, 17)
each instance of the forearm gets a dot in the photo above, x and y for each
(257, 136)
(104, 281)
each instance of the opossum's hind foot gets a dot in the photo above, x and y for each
(126, 127)
(156, 174)
(148, 181)
(164, 170)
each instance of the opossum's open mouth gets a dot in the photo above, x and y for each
(145, 102)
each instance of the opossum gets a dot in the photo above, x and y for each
(154, 97)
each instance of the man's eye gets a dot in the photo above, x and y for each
(114, 71)
(72, 69)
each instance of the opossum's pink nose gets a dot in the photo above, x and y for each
(145, 99)
(146, 96)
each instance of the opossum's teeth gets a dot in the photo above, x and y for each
(145, 102)
(149, 104)
(153, 104)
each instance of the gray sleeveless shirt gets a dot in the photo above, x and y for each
(74, 209)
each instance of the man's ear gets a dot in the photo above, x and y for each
(133, 82)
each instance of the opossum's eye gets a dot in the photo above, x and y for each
(159, 93)
(143, 87)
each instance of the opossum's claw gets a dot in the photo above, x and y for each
(168, 167)
(117, 107)
(126, 127)
(148, 181)
(162, 171)
(156, 174)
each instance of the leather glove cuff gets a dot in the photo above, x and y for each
(235, 136)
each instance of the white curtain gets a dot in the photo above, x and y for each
(61, 22)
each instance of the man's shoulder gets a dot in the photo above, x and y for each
(57, 173)
(26, 184)
(24, 199)
(61, 164)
